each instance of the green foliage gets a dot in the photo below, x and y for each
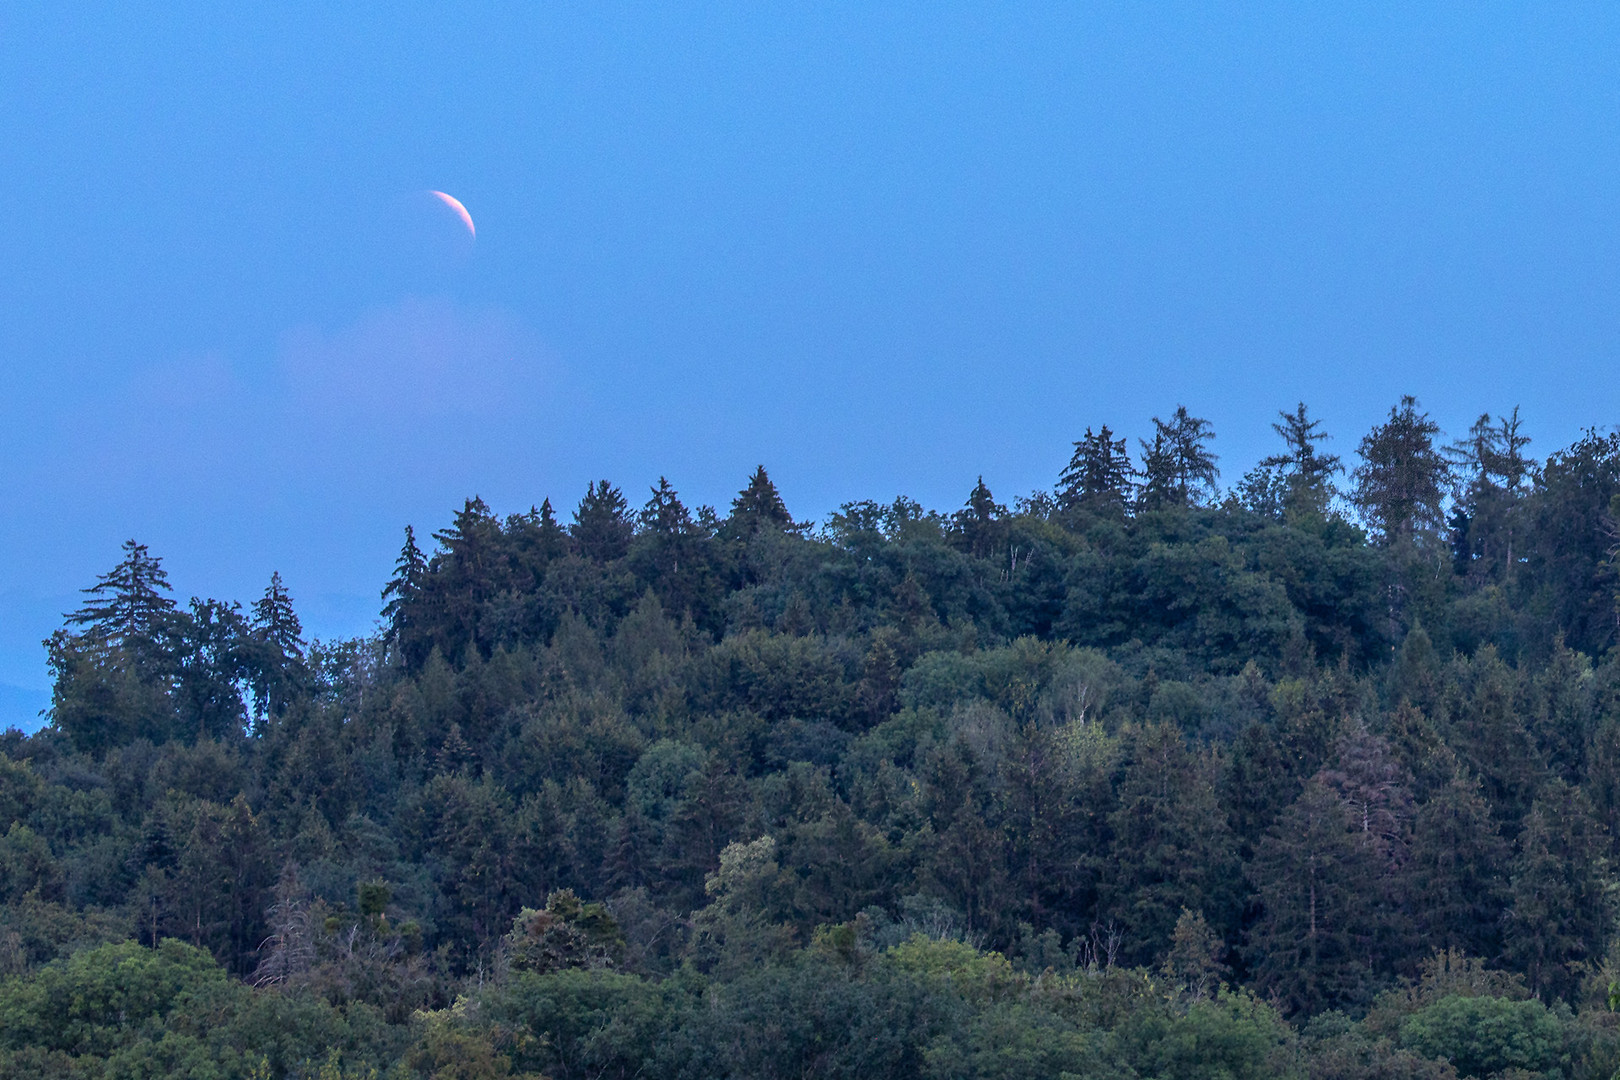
(1095, 783)
(1232, 1036)
(1482, 1036)
(566, 934)
(93, 1002)
(1401, 483)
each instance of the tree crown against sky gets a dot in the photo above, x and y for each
(1228, 760)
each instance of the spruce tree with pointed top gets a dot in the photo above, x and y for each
(402, 598)
(1099, 478)
(979, 525)
(553, 538)
(1400, 485)
(602, 526)
(1178, 467)
(114, 680)
(1492, 483)
(671, 554)
(1316, 893)
(275, 620)
(1158, 489)
(1561, 901)
(127, 605)
(759, 506)
(1307, 474)
(277, 666)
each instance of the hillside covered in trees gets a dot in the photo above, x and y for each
(1314, 775)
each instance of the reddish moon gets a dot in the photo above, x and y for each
(461, 211)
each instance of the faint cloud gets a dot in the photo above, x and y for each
(418, 359)
(407, 394)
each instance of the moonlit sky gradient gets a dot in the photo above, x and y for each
(880, 248)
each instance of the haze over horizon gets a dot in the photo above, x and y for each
(882, 250)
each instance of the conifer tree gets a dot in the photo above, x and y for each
(553, 536)
(1188, 438)
(1561, 904)
(759, 506)
(602, 527)
(1157, 490)
(113, 682)
(277, 668)
(1099, 476)
(1172, 847)
(1401, 482)
(1194, 963)
(665, 516)
(1178, 468)
(127, 605)
(472, 566)
(1318, 899)
(1492, 480)
(979, 524)
(404, 590)
(470, 553)
(1456, 878)
(276, 622)
(535, 539)
(1570, 541)
(1307, 474)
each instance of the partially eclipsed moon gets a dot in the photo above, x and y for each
(461, 211)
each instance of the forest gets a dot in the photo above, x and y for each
(1316, 774)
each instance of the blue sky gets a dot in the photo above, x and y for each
(880, 248)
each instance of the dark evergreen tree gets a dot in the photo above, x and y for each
(979, 526)
(1172, 849)
(1491, 734)
(1561, 903)
(1493, 480)
(1401, 483)
(1157, 489)
(1178, 468)
(1306, 474)
(536, 539)
(275, 654)
(402, 597)
(671, 553)
(1457, 878)
(1259, 784)
(471, 567)
(602, 525)
(665, 516)
(1099, 478)
(127, 606)
(1317, 885)
(759, 506)
(275, 621)
(113, 682)
(1568, 568)
(1056, 814)
(880, 678)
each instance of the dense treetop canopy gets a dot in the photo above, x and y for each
(1314, 775)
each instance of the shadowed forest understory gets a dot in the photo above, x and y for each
(1313, 775)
